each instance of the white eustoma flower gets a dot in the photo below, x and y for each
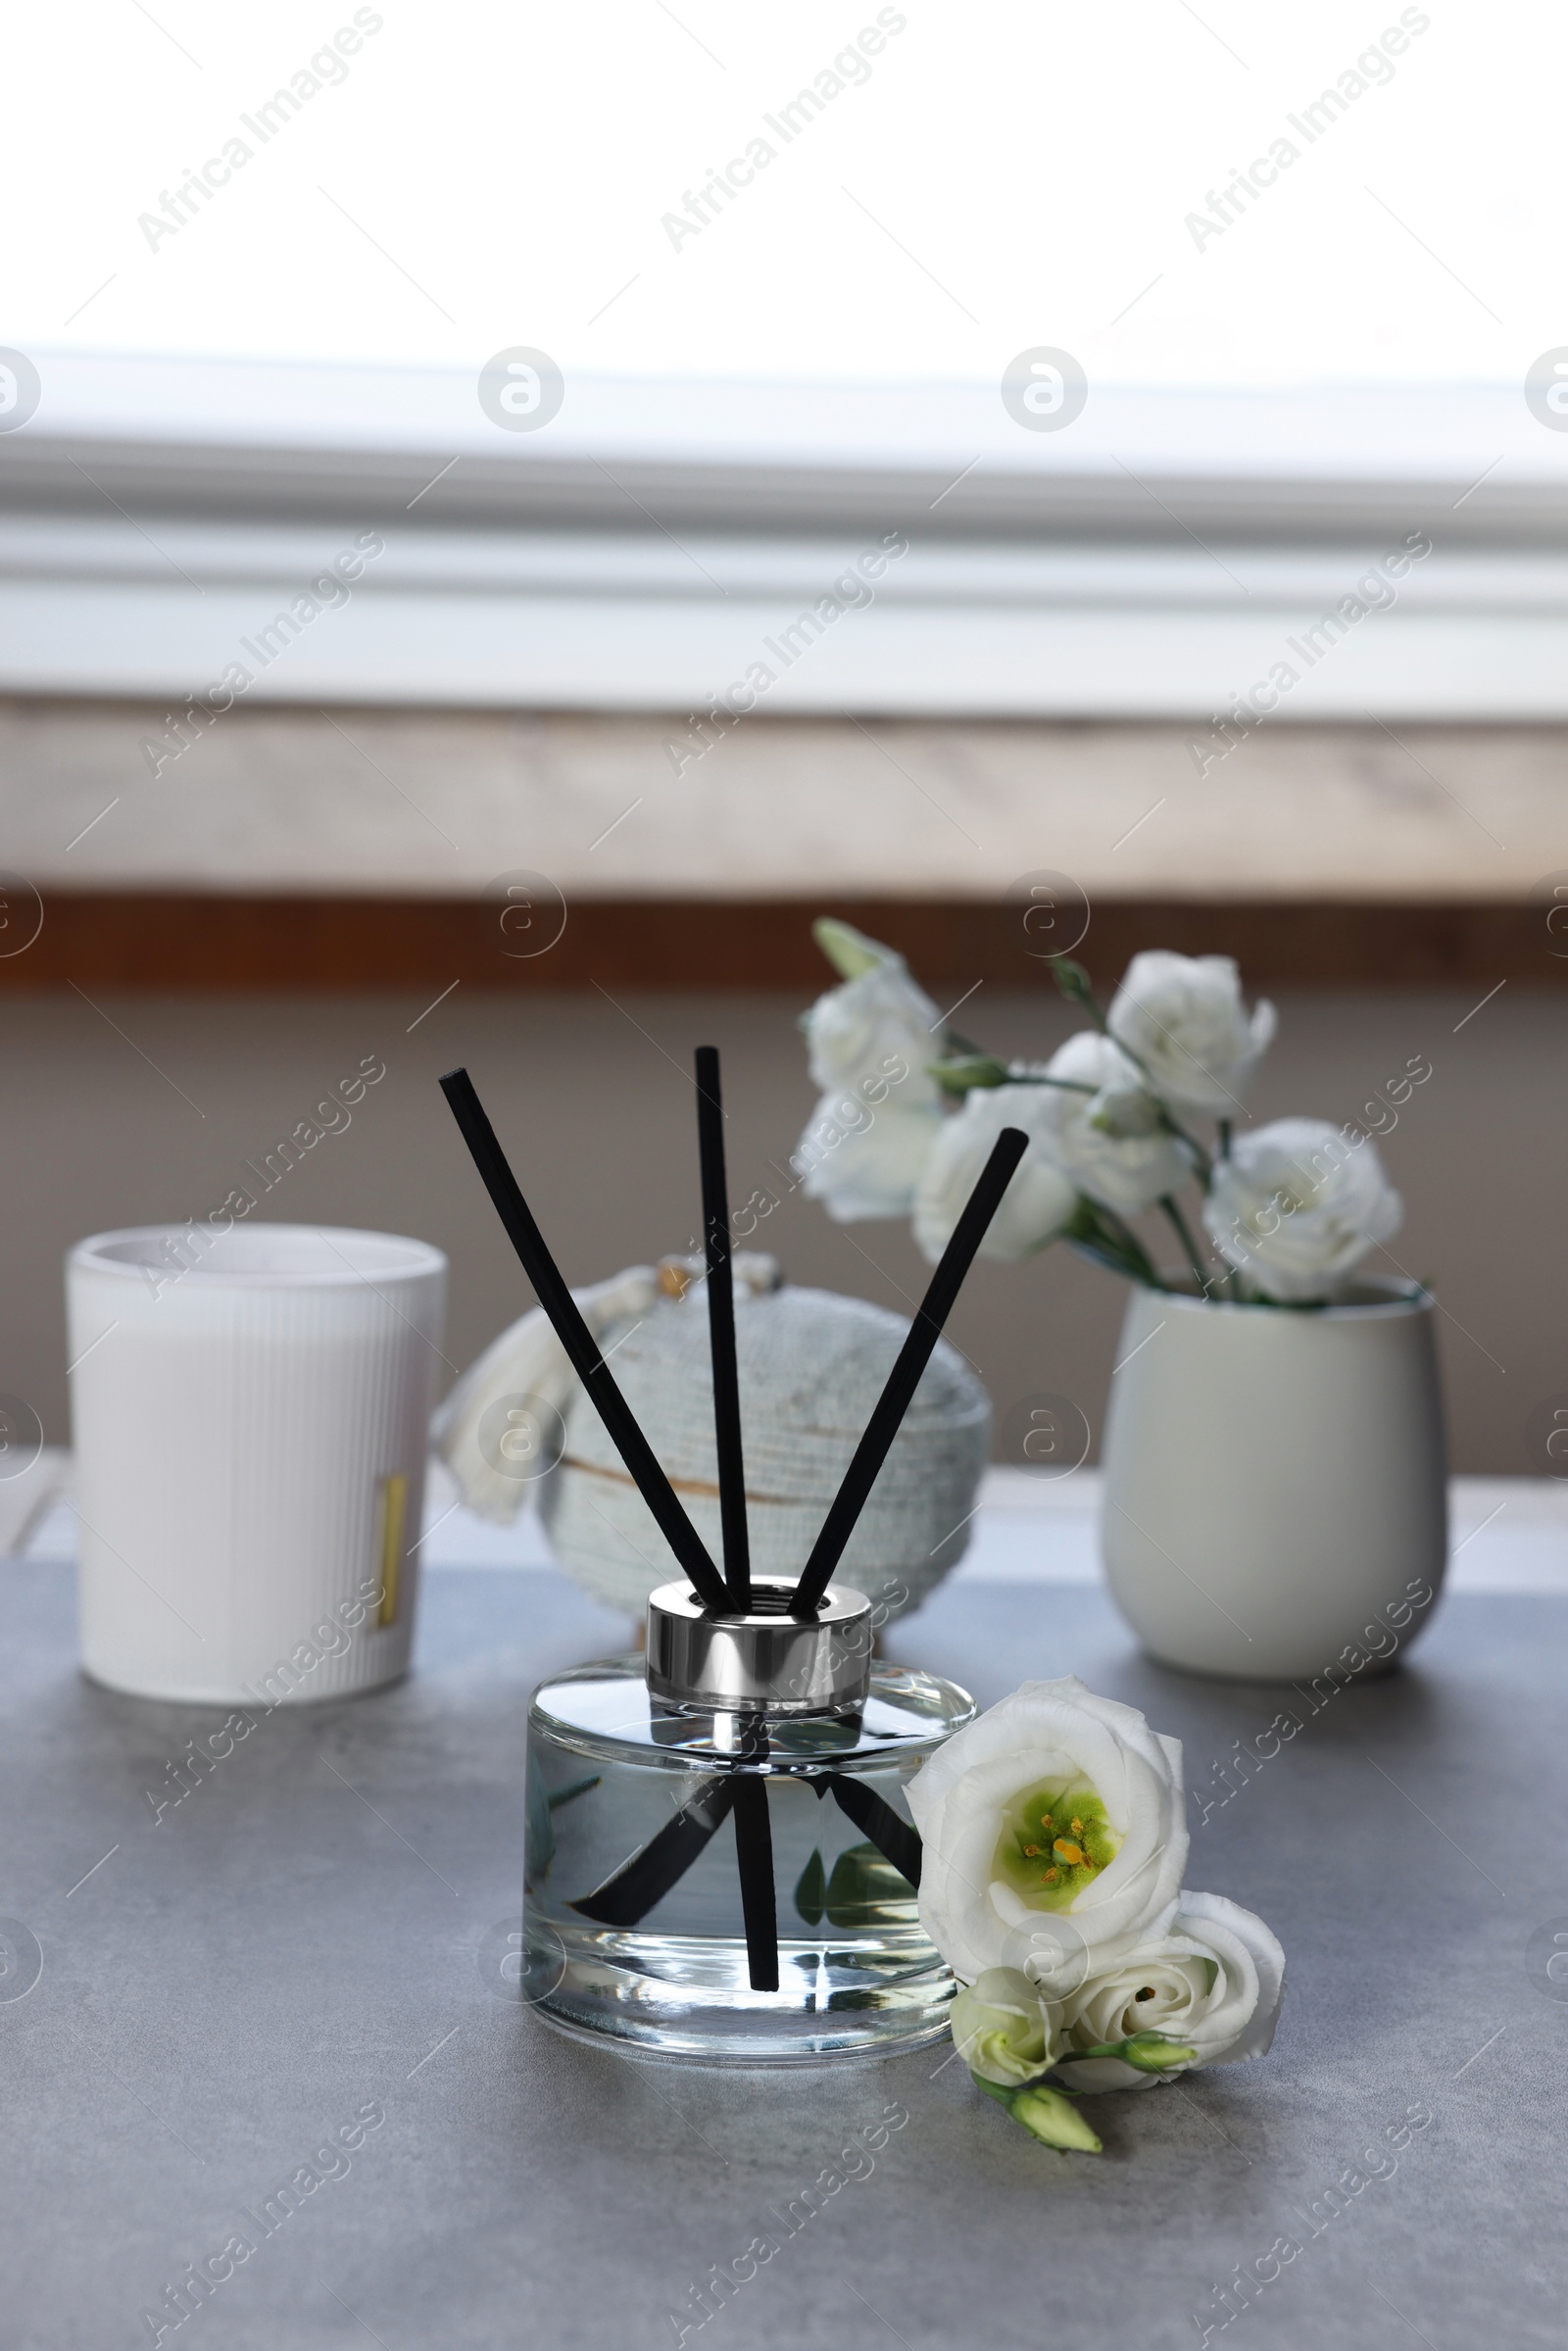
(1003, 2027)
(1297, 1204)
(1213, 1980)
(880, 1015)
(1037, 1203)
(1183, 1019)
(1053, 1836)
(871, 1042)
(864, 1159)
(1109, 1141)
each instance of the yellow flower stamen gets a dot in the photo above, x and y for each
(1024, 1851)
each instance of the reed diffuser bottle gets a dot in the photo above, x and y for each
(720, 1862)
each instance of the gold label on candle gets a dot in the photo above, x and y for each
(393, 1508)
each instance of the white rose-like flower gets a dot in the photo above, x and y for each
(870, 1043)
(859, 1029)
(1037, 1203)
(1053, 1836)
(1213, 1980)
(1110, 1141)
(863, 1158)
(1297, 1204)
(1183, 1019)
(1004, 2029)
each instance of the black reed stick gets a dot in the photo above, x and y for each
(582, 1348)
(754, 1836)
(656, 1869)
(753, 1858)
(721, 1332)
(875, 1818)
(905, 1376)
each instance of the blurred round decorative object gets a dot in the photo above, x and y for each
(500, 1427)
(811, 1367)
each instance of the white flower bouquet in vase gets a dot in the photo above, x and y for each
(1274, 1499)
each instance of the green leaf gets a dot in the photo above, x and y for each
(867, 1891)
(578, 1787)
(541, 1803)
(810, 1889)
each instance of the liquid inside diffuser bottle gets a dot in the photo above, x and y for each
(642, 1809)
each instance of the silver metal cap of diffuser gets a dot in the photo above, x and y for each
(764, 1662)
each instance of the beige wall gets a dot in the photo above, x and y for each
(592, 1098)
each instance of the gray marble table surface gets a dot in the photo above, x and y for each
(307, 1949)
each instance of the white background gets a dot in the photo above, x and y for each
(1009, 176)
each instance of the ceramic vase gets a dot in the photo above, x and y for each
(1275, 1501)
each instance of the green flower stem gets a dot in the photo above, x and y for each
(1079, 989)
(1075, 985)
(993, 2090)
(959, 1072)
(1202, 1164)
(1233, 1279)
(1179, 1224)
(1102, 1247)
(1125, 1240)
(1108, 1263)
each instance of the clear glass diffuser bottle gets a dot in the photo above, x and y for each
(720, 1862)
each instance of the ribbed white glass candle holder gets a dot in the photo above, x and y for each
(250, 1415)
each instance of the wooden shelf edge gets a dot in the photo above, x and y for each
(207, 943)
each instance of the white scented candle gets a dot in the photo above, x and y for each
(249, 1414)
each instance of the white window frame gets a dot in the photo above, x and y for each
(1159, 559)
